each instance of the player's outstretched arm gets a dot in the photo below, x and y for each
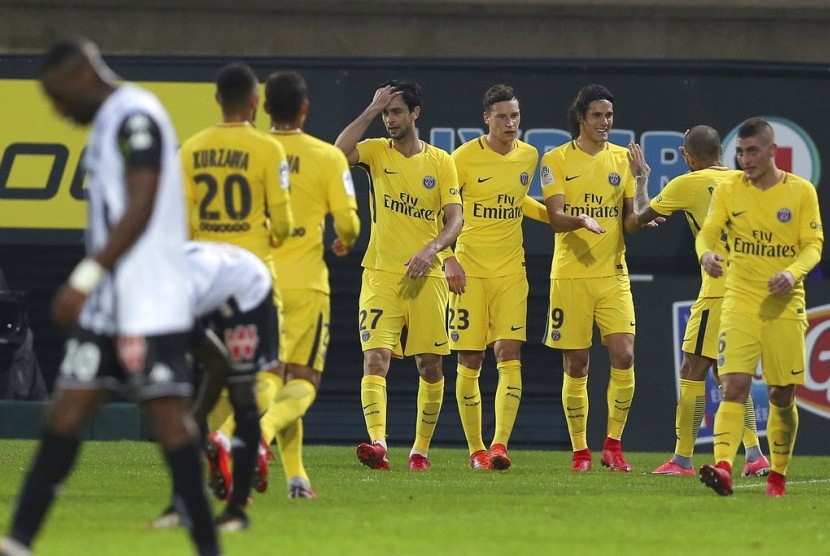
(349, 137)
(561, 222)
(533, 209)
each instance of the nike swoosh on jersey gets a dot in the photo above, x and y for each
(387, 171)
(439, 344)
(738, 213)
(482, 180)
(569, 178)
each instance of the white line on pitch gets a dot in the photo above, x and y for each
(789, 483)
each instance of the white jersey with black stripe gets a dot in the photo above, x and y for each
(147, 291)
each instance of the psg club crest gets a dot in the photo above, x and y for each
(365, 335)
(784, 215)
(454, 336)
(614, 179)
(524, 178)
(555, 335)
(429, 182)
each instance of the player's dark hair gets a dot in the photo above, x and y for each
(285, 92)
(410, 92)
(66, 50)
(703, 141)
(756, 126)
(235, 84)
(579, 107)
(497, 93)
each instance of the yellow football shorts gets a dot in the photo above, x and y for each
(389, 302)
(701, 336)
(575, 304)
(490, 309)
(306, 319)
(779, 343)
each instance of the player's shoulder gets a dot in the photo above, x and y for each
(797, 182)
(526, 150)
(558, 153)
(470, 148)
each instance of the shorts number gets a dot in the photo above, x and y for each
(81, 360)
(463, 319)
(557, 318)
(235, 185)
(721, 342)
(364, 315)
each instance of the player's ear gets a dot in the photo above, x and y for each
(304, 107)
(486, 117)
(416, 112)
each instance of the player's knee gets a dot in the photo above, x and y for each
(781, 396)
(429, 367)
(376, 362)
(471, 359)
(576, 364)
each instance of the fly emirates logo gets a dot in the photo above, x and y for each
(408, 205)
(505, 209)
(593, 207)
(762, 246)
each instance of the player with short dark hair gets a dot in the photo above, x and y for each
(128, 298)
(775, 236)
(412, 184)
(494, 175)
(588, 185)
(691, 194)
(321, 183)
(236, 183)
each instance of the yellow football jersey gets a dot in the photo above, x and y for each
(596, 186)
(692, 193)
(493, 189)
(406, 197)
(320, 183)
(767, 233)
(233, 174)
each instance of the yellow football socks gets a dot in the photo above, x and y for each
(750, 437)
(782, 427)
(508, 398)
(430, 396)
(689, 415)
(373, 398)
(728, 430)
(619, 395)
(291, 403)
(575, 404)
(468, 397)
(290, 441)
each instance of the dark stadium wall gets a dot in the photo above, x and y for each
(791, 31)
(655, 103)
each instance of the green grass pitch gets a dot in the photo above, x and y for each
(536, 507)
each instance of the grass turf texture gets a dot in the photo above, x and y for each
(537, 506)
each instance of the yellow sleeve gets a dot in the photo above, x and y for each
(709, 236)
(346, 225)
(282, 222)
(535, 210)
(810, 236)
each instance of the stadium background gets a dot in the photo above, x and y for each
(670, 66)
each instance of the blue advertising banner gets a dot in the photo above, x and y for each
(680, 316)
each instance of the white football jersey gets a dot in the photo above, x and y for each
(221, 271)
(147, 291)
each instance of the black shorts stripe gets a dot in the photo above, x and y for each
(372, 200)
(316, 345)
(701, 332)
